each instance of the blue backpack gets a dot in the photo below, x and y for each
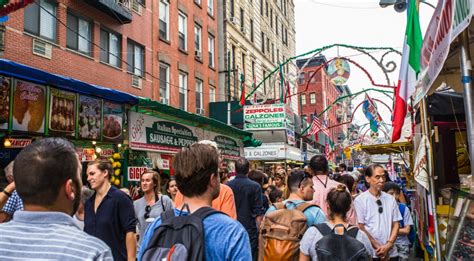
(412, 234)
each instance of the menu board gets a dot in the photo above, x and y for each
(90, 117)
(62, 113)
(29, 104)
(113, 122)
(4, 102)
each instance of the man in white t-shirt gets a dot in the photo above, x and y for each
(378, 215)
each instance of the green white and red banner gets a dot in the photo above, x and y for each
(409, 69)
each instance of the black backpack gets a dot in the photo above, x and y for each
(179, 237)
(343, 247)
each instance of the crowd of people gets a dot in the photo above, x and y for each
(201, 213)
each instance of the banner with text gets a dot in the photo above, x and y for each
(264, 117)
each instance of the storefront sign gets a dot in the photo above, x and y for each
(29, 107)
(420, 172)
(151, 133)
(228, 148)
(450, 18)
(62, 112)
(85, 154)
(134, 173)
(19, 143)
(107, 152)
(4, 102)
(273, 152)
(154, 134)
(264, 117)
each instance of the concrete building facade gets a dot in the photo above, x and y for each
(255, 38)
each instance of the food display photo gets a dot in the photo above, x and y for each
(62, 112)
(4, 102)
(113, 121)
(29, 106)
(90, 116)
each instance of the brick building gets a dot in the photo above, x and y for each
(185, 40)
(316, 94)
(103, 43)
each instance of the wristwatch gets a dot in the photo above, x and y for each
(7, 193)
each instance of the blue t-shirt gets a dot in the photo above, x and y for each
(314, 215)
(224, 238)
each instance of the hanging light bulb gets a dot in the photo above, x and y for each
(7, 143)
(94, 142)
(119, 145)
(98, 150)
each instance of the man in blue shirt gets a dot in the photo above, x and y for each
(301, 190)
(248, 202)
(196, 172)
(14, 202)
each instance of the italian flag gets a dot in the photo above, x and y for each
(409, 69)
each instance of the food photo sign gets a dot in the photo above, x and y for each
(62, 113)
(4, 102)
(113, 122)
(29, 106)
(90, 117)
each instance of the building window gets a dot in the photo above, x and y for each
(268, 45)
(135, 58)
(251, 31)
(197, 40)
(271, 18)
(164, 19)
(262, 36)
(212, 94)
(79, 36)
(232, 8)
(264, 74)
(303, 99)
(266, 7)
(199, 101)
(242, 19)
(276, 24)
(164, 83)
(312, 98)
(41, 21)
(197, 2)
(182, 31)
(210, 7)
(301, 78)
(210, 42)
(312, 74)
(110, 48)
(183, 91)
(261, 7)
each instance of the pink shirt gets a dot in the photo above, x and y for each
(322, 185)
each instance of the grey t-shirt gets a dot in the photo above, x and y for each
(312, 236)
(156, 210)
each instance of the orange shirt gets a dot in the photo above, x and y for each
(224, 202)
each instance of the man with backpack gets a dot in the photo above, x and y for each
(286, 222)
(196, 231)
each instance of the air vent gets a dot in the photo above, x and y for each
(136, 7)
(42, 49)
(164, 100)
(136, 81)
(200, 111)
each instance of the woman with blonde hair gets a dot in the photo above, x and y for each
(153, 203)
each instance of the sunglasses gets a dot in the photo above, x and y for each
(379, 202)
(305, 176)
(147, 212)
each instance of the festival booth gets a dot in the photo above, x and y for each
(156, 132)
(446, 121)
(36, 104)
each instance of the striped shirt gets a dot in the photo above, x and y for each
(34, 235)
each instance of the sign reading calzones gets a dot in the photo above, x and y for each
(264, 117)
